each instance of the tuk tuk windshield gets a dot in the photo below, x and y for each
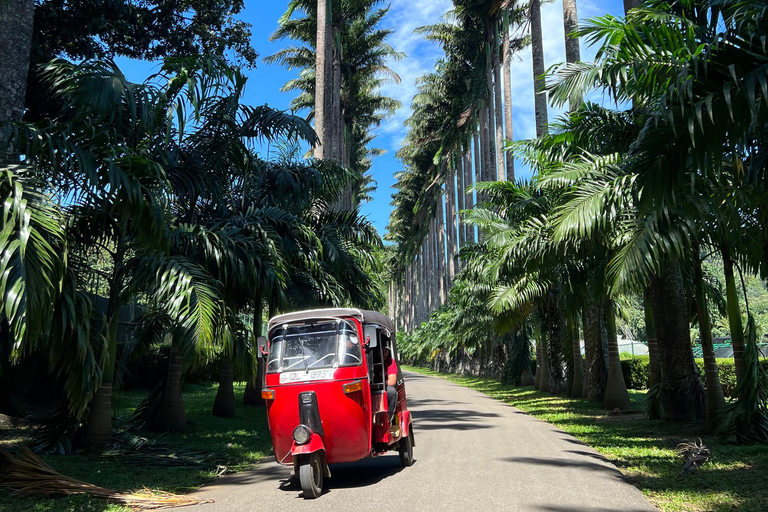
(305, 347)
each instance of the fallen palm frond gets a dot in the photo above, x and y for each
(694, 454)
(26, 473)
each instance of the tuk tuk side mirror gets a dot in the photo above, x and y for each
(261, 343)
(371, 339)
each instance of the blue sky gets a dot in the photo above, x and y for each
(265, 81)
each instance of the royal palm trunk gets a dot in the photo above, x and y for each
(170, 414)
(537, 53)
(506, 53)
(715, 399)
(556, 373)
(323, 78)
(596, 375)
(681, 393)
(577, 389)
(224, 403)
(654, 371)
(498, 109)
(616, 395)
(16, 23)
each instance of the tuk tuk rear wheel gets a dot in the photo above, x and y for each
(406, 450)
(311, 476)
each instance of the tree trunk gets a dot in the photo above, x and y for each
(485, 144)
(653, 344)
(451, 224)
(577, 390)
(171, 415)
(460, 173)
(469, 231)
(506, 52)
(224, 403)
(16, 23)
(570, 23)
(441, 261)
(492, 170)
(541, 341)
(537, 51)
(597, 375)
(252, 394)
(715, 402)
(98, 431)
(556, 373)
(681, 394)
(498, 107)
(734, 312)
(630, 4)
(337, 128)
(616, 396)
(322, 79)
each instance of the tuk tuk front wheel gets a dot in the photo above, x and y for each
(406, 450)
(311, 476)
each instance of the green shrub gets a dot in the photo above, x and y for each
(636, 372)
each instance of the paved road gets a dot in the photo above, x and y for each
(472, 453)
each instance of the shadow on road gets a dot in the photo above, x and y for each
(431, 414)
(565, 463)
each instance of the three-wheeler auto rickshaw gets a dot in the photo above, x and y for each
(326, 392)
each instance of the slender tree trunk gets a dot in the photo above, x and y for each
(570, 23)
(469, 231)
(337, 127)
(441, 260)
(537, 51)
(584, 389)
(734, 312)
(224, 403)
(681, 395)
(616, 395)
(577, 390)
(506, 52)
(597, 376)
(556, 373)
(492, 170)
(498, 107)
(653, 345)
(715, 402)
(98, 430)
(252, 394)
(485, 143)
(541, 340)
(460, 174)
(16, 23)
(539, 359)
(322, 79)
(450, 225)
(171, 415)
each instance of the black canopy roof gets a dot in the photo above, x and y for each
(364, 316)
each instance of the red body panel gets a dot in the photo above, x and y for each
(345, 418)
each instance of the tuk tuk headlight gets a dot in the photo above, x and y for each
(301, 434)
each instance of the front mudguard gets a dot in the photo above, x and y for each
(406, 424)
(315, 444)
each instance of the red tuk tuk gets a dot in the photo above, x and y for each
(326, 392)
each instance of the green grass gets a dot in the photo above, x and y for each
(242, 441)
(736, 478)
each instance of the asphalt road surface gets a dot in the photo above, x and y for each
(472, 453)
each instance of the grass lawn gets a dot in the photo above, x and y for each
(242, 441)
(735, 479)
